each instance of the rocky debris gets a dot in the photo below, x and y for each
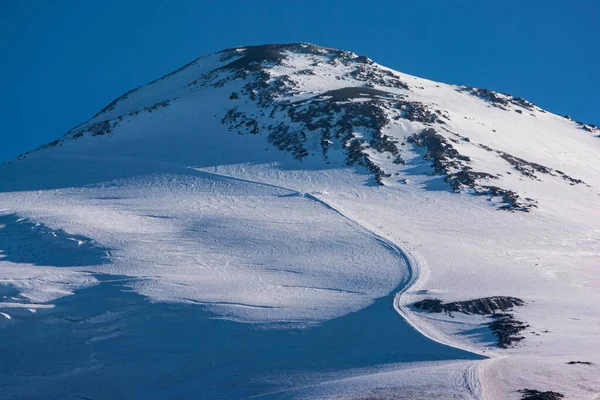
(356, 155)
(529, 168)
(351, 118)
(101, 128)
(500, 100)
(373, 74)
(157, 106)
(287, 139)
(415, 111)
(506, 329)
(511, 201)
(151, 108)
(349, 93)
(111, 106)
(580, 362)
(468, 178)
(589, 127)
(532, 394)
(446, 160)
(96, 129)
(504, 326)
(443, 156)
(482, 306)
(332, 115)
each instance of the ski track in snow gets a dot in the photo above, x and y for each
(465, 383)
(409, 273)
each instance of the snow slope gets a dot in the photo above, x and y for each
(261, 222)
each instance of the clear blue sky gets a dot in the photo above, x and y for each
(63, 60)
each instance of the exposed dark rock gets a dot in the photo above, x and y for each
(415, 111)
(529, 168)
(349, 93)
(443, 155)
(483, 306)
(532, 394)
(375, 75)
(399, 160)
(504, 326)
(446, 160)
(498, 100)
(111, 106)
(157, 106)
(351, 118)
(580, 362)
(467, 177)
(588, 127)
(506, 329)
(286, 139)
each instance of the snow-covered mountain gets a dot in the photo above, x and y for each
(293, 221)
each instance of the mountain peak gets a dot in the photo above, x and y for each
(329, 108)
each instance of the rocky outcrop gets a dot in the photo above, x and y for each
(532, 394)
(482, 306)
(500, 100)
(504, 326)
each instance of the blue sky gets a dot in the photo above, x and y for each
(63, 60)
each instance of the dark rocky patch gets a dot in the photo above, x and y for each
(443, 155)
(506, 329)
(498, 100)
(532, 394)
(510, 199)
(588, 127)
(483, 306)
(580, 362)
(100, 128)
(157, 106)
(447, 161)
(467, 178)
(375, 75)
(96, 129)
(111, 106)
(349, 93)
(415, 111)
(529, 168)
(287, 139)
(254, 57)
(504, 326)
(333, 115)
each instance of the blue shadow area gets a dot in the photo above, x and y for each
(108, 342)
(22, 241)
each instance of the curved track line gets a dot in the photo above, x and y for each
(470, 382)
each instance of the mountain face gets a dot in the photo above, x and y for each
(331, 106)
(284, 206)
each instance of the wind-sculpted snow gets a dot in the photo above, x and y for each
(22, 241)
(213, 245)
